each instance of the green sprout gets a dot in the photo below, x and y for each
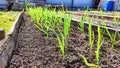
(27, 5)
(81, 24)
(87, 63)
(111, 36)
(67, 23)
(90, 34)
(46, 20)
(65, 33)
(116, 23)
(61, 43)
(101, 14)
(99, 44)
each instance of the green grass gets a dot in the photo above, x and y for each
(7, 19)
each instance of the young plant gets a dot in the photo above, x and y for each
(90, 34)
(67, 23)
(61, 43)
(111, 36)
(66, 29)
(81, 24)
(56, 23)
(27, 5)
(87, 63)
(99, 44)
(41, 20)
(101, 13)
(116, 23)
(46, 20)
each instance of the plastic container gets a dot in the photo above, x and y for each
(109, 5)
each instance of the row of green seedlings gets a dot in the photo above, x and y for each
(49, 20)
(100, 39)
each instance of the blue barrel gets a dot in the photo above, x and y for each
(109, 6)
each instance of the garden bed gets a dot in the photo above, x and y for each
(34, 50)
(8, 43)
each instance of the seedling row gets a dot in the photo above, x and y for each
(59, 23)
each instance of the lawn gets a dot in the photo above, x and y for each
(7, 19)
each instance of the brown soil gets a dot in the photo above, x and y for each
(33, 50)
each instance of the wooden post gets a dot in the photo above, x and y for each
(2, 33)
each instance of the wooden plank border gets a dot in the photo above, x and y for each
(10, 42)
